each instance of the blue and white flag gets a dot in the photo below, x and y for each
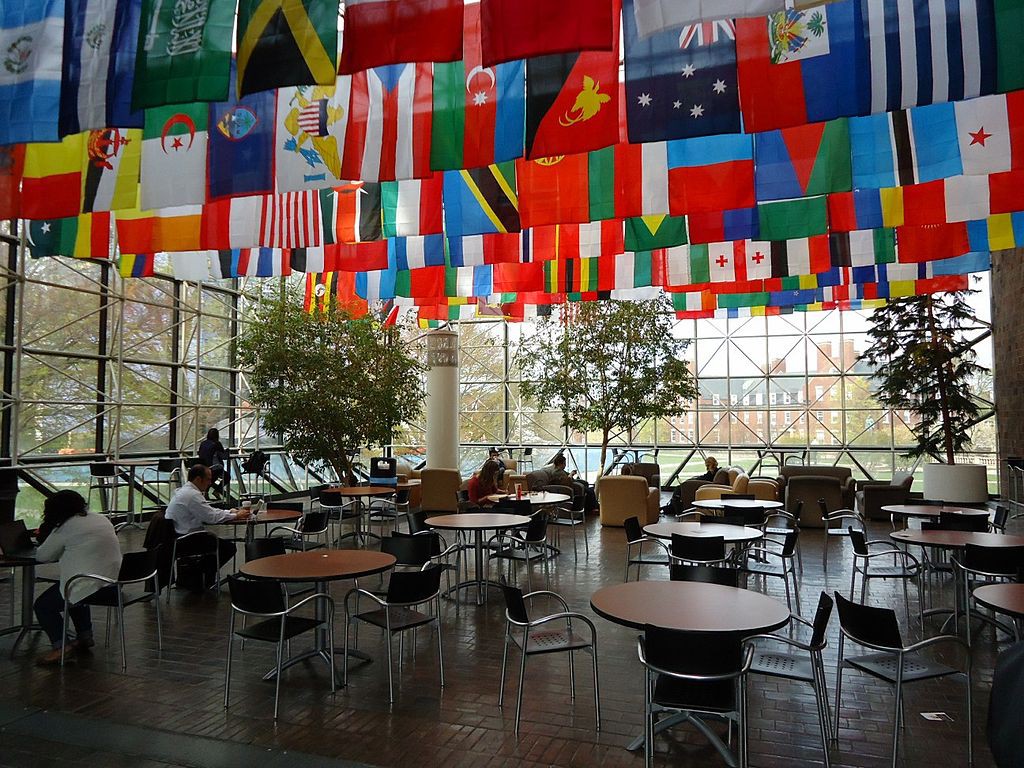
(100, 38)
(416, 252)
(376, 285)
(928, 51)
(31, 43)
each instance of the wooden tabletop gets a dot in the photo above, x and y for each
(731, 533)
(534, 497)
(1004, 598)
(362, 490)
(477, 521)
(319, 565)
(404, 485)
(268, 516)
(930, 510)
(737, 503)
(955, 539)
(689, 607)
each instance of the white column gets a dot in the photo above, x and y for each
(442, 403)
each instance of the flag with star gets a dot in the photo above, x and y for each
(680, 83)
(240, 148)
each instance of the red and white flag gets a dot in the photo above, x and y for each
(291, 220)
(380, 32)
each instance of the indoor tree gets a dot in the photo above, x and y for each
(924, 362)
(607, 366)
(328, 382)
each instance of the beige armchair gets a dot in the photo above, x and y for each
(625, 496)
(439, 489)
(761, 488)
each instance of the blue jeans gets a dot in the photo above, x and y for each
(49, 608)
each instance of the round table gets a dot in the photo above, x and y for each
(320, 566)
(737, 503)
(955, 539)
(265, 518)
(930, 511)
(539, 498)
(359, 493)
(1003, 598)
(405, 485)
(733, 534)
(477, 523)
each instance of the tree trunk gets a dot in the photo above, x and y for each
(943, 382)
(604, 453)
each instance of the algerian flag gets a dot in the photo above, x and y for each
(174, 156)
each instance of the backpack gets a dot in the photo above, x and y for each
(255, 463)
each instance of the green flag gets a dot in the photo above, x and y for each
(645, 233)
(85, 236)
(793, 219)
(184, 52)
(1009, 53)
(601, 183)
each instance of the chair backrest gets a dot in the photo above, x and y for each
(705, 574)
(383, 470)
(950, 521)
(315, 521)
(634, 532)
(869, 625)
(698, 548)
(515, 605)
(256, 595)
(737, 496)
(694, 653)
(139, 565)
(537, 530)
(753, 516)
(411, 587)
(255, 463)
(102, 469)
(1000, 517)
(439, 489)
(1006, 561)
(432, 536)
(789, 543)
(514, 507)
(166, 466)
(291, 506)
(860, 544)
(417, 521)
(822, 615)
(195, 543)
(408, 550)
(332, 499)
(260, 548)
(823, 505)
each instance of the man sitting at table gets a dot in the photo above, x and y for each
(189, 510)
(556, 475)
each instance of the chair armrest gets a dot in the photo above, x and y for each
(785, 641)
(748, 657)
(316, 596)
(86, 577)
(546, 593)
(651, 540)
(361, 591)
(276, 528)
(568, 616)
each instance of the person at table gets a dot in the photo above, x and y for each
(556, 475)
(214, 455)
(189, 509)
(484, 483)
(711, 465)
(80, 542)
(495, 456)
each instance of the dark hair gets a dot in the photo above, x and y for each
(213, 434)
(488, 477)
(559, 460)
(198, 470)
(493, 450)
(61, 507)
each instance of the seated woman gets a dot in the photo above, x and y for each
(81, 543)
(484, 483)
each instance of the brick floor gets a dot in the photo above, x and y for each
(180, 690)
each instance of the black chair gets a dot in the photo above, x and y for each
(698, 550)
(998, 524)
(878, 630)
(837, 523)
(534, 641)
(809, 668)
(785, 522)
(986, 565)
(704, 574)
(164, 477)
(265, 600)
(701, 675)
(199, 549)
(784, 568)
(524, 545)
(747, 516)
(904, 567)
(395, 614)
(338, 509)
(307, 534)
(571, 513)
(257, 549)
(636, 539)
(409, 551)
(136, 568)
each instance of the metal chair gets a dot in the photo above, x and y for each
(196, 546)
(104, 478)
(572, 513)
(699, 550)
(165, 475)
(790, 521)
(395, 614)
(265, 600)
(841, 516)
(307, 534)
(136, 568)
(783, 569)
(998, 523)
(526, 457)
(877, 629)
(987, 565)
(636, 539)
(809, 668)
(534, 641)
(524, 546)
(338, 509)
(904, 567)
(704, 574)
(695, 676)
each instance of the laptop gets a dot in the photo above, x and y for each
(15, 541)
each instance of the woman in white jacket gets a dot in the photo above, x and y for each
(81, 543)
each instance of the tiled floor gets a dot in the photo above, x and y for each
(180, 690)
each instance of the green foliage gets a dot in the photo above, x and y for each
(327, 382)
(924, 362)
(608, 367)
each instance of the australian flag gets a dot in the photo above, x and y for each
(680, 83)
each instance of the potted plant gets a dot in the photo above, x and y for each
(924, 362)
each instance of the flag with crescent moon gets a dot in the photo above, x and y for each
(479, 112)
(174, 143)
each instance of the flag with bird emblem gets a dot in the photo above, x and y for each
(311, 123)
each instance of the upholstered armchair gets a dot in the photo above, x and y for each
(809, 489)
(843, 475)
(872, 495)
(439, 489)
(625, 496)
(739, 482)
(649, 470)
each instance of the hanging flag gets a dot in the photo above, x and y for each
(474, 250)
(110, 175)
(286, 42)
(358, 211)
(291, 220)
(646, 233)
(566, 189)
(719, 226)
(135, 265)
(413, 206)
(811, 159)
(192, 266)
(481, 200)
(572, 102)
(241, 147)
(479, 112)
(800, 256)
(653, 16)
(641, 179)
(937, 241)
(961, 198)
(712, 173)
(389, 127)
(816, 57)
(376, 284)
(680, 83)
(311, 124)
(381, 32)
(521, 29)
(99, 65)
(52, 182)
(865, 209)
(1006, 192)
(925, 53)
(232, 222)
(862, 248)
(1009, 24)
(576, 241)
(423, 283)
(791, 219)
(904, 147)
(83, 237)
(357, 257)
(184, 52)
(991, 133)
(12, 167)
(31, 45)
(163, 230)
(174, 142)
(261, 262)
(416, 252)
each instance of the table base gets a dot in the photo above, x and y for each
(700, 725)
(28, 596)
